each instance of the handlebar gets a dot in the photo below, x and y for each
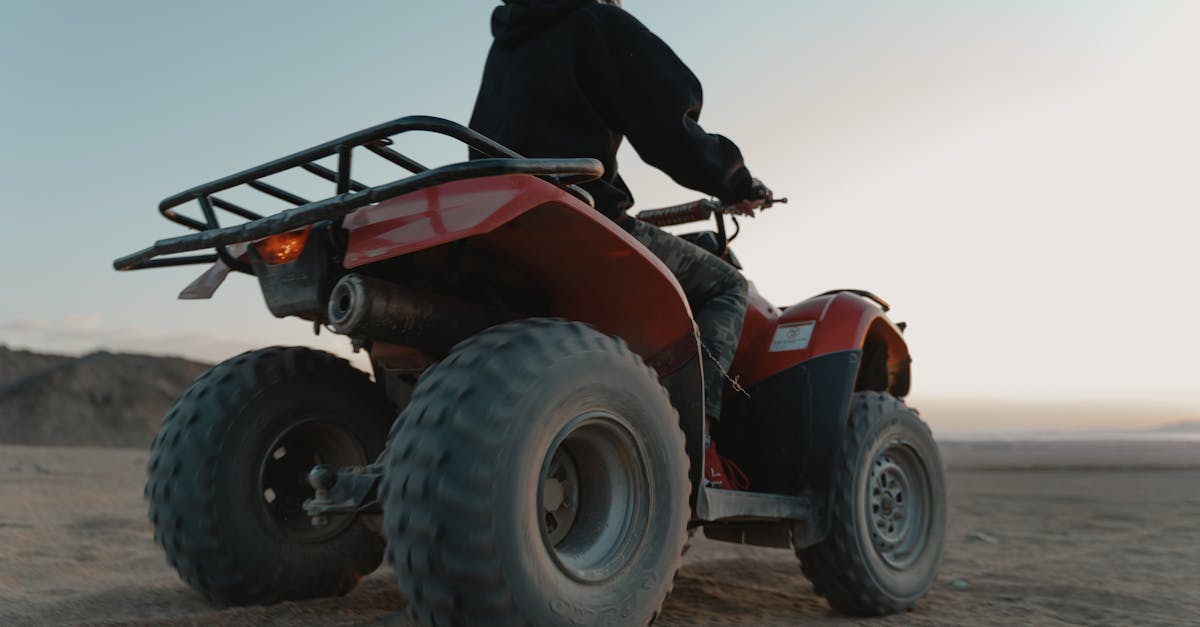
(680, 214)
(694, 211)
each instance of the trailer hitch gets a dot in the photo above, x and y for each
(348, 490)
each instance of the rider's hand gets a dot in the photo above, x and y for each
(760, 196)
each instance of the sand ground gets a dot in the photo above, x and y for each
(1047, 534)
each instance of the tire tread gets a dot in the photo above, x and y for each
(836, 568)
(448, 407)
(182, 475)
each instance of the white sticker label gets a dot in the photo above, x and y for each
(792, 337)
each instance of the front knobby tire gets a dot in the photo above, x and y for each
(227, 474)
(889, 513)
(537, 477)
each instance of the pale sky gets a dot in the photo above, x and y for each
(1021, 179)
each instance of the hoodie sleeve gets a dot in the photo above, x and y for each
(647, 93)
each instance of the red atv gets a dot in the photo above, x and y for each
(546, 464)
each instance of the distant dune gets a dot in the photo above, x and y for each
(988, 416)
(17, 364)
(101, 399)
(1183, 426)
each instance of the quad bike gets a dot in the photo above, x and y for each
(546, 463)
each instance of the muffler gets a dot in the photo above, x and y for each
(365, 307)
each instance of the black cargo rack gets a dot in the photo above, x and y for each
(349, 193)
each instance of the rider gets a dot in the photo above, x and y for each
(571, 78)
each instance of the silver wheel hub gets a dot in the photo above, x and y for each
(898, 502)
(593, 497)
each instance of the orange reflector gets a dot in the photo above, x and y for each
(282, 248)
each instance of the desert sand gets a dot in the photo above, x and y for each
(1040, 533)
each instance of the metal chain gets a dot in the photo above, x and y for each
(732, 380)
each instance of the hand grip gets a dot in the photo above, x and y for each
(679, 214)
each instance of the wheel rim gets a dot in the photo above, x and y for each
(283, 476)
(898, 503)
(593, 497)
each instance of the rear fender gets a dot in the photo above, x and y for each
(443, 213)
(591, 269)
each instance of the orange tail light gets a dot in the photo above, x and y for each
(282, 248)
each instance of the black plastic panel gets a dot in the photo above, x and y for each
(787, 435)
(686, 388)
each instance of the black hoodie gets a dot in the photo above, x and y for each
(571, 78)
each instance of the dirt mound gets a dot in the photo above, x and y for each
(18, 364)
(101, 399)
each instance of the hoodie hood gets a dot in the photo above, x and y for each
(518, 19)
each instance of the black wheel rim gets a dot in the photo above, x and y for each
(898, 504)
(283, 476)
(594, 497)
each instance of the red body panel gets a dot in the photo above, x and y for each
(592, 269)
(440, 214)
(840, 321)
(597, 273)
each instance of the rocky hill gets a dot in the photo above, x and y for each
(100, 399)
(16, 364)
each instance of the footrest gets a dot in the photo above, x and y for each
(717, 504)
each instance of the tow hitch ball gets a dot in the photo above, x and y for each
(348, 490)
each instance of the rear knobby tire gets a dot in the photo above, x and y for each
(889, 513)
(537, 477)
(226, 478)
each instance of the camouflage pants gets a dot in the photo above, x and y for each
(716, 292)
